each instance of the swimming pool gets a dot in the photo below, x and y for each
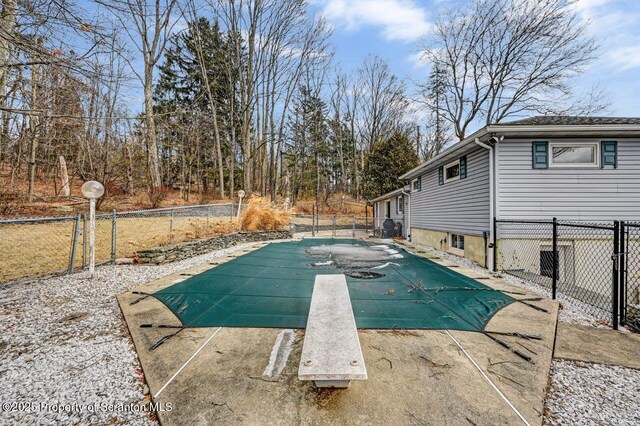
(389, 288)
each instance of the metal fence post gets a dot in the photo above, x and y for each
(171, 227)
(84, 241)
(616, 260)
(334, 225)
(313, 220)
(113, 237)
(494, 248)
(353, 234)
(74, 244)
(366, 220)
(554, 260)
(622, 270)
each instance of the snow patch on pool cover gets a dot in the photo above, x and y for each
(350, 256)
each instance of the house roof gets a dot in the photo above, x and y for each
(541, 126)
(391, 194)
(564, 120)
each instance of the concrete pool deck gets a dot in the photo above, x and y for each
(415, 376)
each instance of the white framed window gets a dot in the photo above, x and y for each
(452, 171)
(399, 204)
(456, 243)
(574, 154)
(415, 185)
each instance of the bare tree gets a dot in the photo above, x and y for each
(7, 27)
(381, 106)
(148, 24)
(383, 102)
(510, 57)
(210, 87)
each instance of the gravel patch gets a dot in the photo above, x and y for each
(64, 341)
(572, 311)
(592, 394)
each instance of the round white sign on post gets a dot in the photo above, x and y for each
(241, 195)
(92, 189)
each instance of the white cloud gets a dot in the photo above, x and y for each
(588, 5)
(417, 60)
(399, 19)
(624, 58)
(614, 26)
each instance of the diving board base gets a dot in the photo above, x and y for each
(337, 384)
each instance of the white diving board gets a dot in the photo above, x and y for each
(331, 353)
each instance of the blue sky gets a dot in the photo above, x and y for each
(393, 29)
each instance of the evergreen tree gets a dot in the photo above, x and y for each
(438, 136)
(387, 160)
(342, 154)
(308, 153)
(185, 121)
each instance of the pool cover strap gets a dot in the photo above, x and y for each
(272, 287)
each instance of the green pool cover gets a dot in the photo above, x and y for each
(272, 287)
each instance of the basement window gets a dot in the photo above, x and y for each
(456, 243)
(574, 154)
(452, 171)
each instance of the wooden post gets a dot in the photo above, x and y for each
(65, 189)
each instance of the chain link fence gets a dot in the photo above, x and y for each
(630, 294)
(345, 226)
(48, 246)
(594, 265)
(36, 247)
(331, 225)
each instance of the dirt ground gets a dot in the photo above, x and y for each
(46, 202)
(415, 376)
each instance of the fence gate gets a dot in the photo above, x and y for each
(580, 261)
(630, 274)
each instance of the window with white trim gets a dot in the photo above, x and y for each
(574, 154)
(399, 204)
(456, 242)
(452, 171)
(415, 185)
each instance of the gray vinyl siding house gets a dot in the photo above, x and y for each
(458, 206)
(393, 205)
(587, 194)
(571, 168)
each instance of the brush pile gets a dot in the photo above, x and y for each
(259, 215)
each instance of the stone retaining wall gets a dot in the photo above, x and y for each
(187, 249)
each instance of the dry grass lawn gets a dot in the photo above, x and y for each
(37, 249)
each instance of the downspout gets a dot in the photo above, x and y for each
(408, 226)
(492, 237)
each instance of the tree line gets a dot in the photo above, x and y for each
(219, 95)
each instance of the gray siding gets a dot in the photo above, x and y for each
(380, 217)
(381, 212)
(569, 194)
(459, 206)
